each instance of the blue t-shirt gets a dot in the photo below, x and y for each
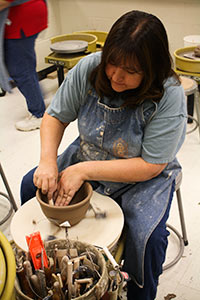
(164, 133)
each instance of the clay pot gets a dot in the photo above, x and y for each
(73, 213)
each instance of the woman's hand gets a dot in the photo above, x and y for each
(70, 180)
(46, 175)
(46, 178)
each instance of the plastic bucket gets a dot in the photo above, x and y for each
(191, 40)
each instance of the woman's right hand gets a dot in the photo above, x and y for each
(46, 178)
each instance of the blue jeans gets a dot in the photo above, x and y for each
(20, 59)
(28, 189)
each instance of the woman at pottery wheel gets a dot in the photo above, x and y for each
(132, 119)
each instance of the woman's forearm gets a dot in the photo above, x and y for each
(121, 170)
(4, 4)
(51, 133)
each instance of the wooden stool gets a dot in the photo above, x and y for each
(191, 88)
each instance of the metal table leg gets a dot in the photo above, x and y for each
(11, 198)
(60, 72)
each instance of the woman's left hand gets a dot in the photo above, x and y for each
(70, 180)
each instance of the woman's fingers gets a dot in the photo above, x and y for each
(52, 186)
(70, 180)
(63, 198)
(47, 184)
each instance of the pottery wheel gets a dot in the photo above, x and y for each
(70, 46)
(102, 232)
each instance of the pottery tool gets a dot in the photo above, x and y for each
(51, 202)
(69, 279)
(23, 281)
(98, 213)
(92, 261)
(73, 252)
(28, 268)
(111, 258)
(34, 280)
(80, 257)
(65, 225)
(76, 263)
(114, 275)
(63, 267)
(60, 253)
(58, 290)
(49, 296)
(37, 251)
(60, 280)
(85, 282)
(42, 281)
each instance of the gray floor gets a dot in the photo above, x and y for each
(19, 152)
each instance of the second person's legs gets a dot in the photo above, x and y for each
(20, 60)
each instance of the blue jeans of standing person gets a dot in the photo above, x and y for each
(155, 251)
(20, 60)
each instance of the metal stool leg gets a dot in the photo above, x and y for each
(181, 249)
(182, 239)
(197, 104)
(182, 219)
(11, 198)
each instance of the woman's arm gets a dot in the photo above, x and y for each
(119, 170)
(46, 175)
(4, 4)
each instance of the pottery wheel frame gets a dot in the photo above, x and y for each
(29, 218)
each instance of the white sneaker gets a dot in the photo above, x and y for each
(29, 123)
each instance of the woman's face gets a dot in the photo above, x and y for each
(122, 78)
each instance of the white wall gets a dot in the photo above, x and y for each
(180, 17)
(42, 46)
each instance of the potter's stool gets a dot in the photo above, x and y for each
(9, 197)
(104, 232)
(191, 88)
(182, 239)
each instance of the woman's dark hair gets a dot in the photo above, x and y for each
(136, 37)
